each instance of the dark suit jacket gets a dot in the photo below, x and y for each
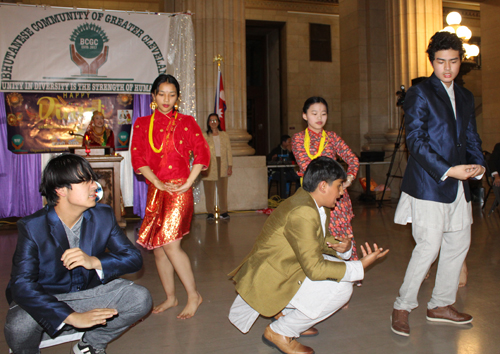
(437, 141)
(289, 248)
(38, 272)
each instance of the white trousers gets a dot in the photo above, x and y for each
(438, 229)
(297, 321)
(314, 302)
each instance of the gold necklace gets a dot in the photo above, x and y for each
(307, 144)
(150, 135)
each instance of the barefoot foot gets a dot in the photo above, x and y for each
(165, 305)
(192, 305)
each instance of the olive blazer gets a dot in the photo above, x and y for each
(289, 248)
(226, 156)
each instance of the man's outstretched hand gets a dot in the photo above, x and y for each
(370, 256)
(90, 318)
(344, 244)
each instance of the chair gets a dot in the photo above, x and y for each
(278, 185)
(489, 181)
(296, 185)
(270, 181)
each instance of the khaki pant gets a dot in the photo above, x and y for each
(209, 187)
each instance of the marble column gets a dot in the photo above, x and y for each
(382, 46)
(411, 24)
(490, 53)
(364, 73)
(220, 29)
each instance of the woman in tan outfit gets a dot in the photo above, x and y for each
(221, 167)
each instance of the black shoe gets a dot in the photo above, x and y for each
(225, 216)
(84, 348)
(210, 217)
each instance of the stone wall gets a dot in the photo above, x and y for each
(304, 78)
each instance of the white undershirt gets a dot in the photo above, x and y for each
(354, 269)
(451, 94)
(217, 144)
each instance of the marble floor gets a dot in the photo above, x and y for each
(216, 248)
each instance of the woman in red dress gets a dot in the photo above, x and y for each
(162, 146)
(315, 142)
(97, 133)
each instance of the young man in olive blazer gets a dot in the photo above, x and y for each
(295, 270)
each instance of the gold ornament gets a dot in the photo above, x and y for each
(14, 99)
(170, 127)
(176, 106)
(153, 105)
(12, 120)
(124, 99)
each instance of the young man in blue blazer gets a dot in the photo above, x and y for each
(445, 151)
(65, 266)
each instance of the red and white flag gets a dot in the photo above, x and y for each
(220, 101)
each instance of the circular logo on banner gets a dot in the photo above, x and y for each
(89, 40)
(123, 138)
(17, 141)
(89, 44)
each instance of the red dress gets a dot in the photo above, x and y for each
(168, 217)
(341, 215)
(107, 139)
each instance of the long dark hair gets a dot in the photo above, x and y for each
(312, 100)
(209, 129)
(168, 79)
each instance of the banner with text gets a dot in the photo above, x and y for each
(51, 122)
(44, 49)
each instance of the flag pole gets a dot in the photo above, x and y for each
(220, 101)
(217, 59)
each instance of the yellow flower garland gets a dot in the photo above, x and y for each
(150, 135)
(307, 144)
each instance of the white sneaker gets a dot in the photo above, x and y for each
(84, 348)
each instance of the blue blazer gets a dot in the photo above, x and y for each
(38, 272)
(437, 141)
